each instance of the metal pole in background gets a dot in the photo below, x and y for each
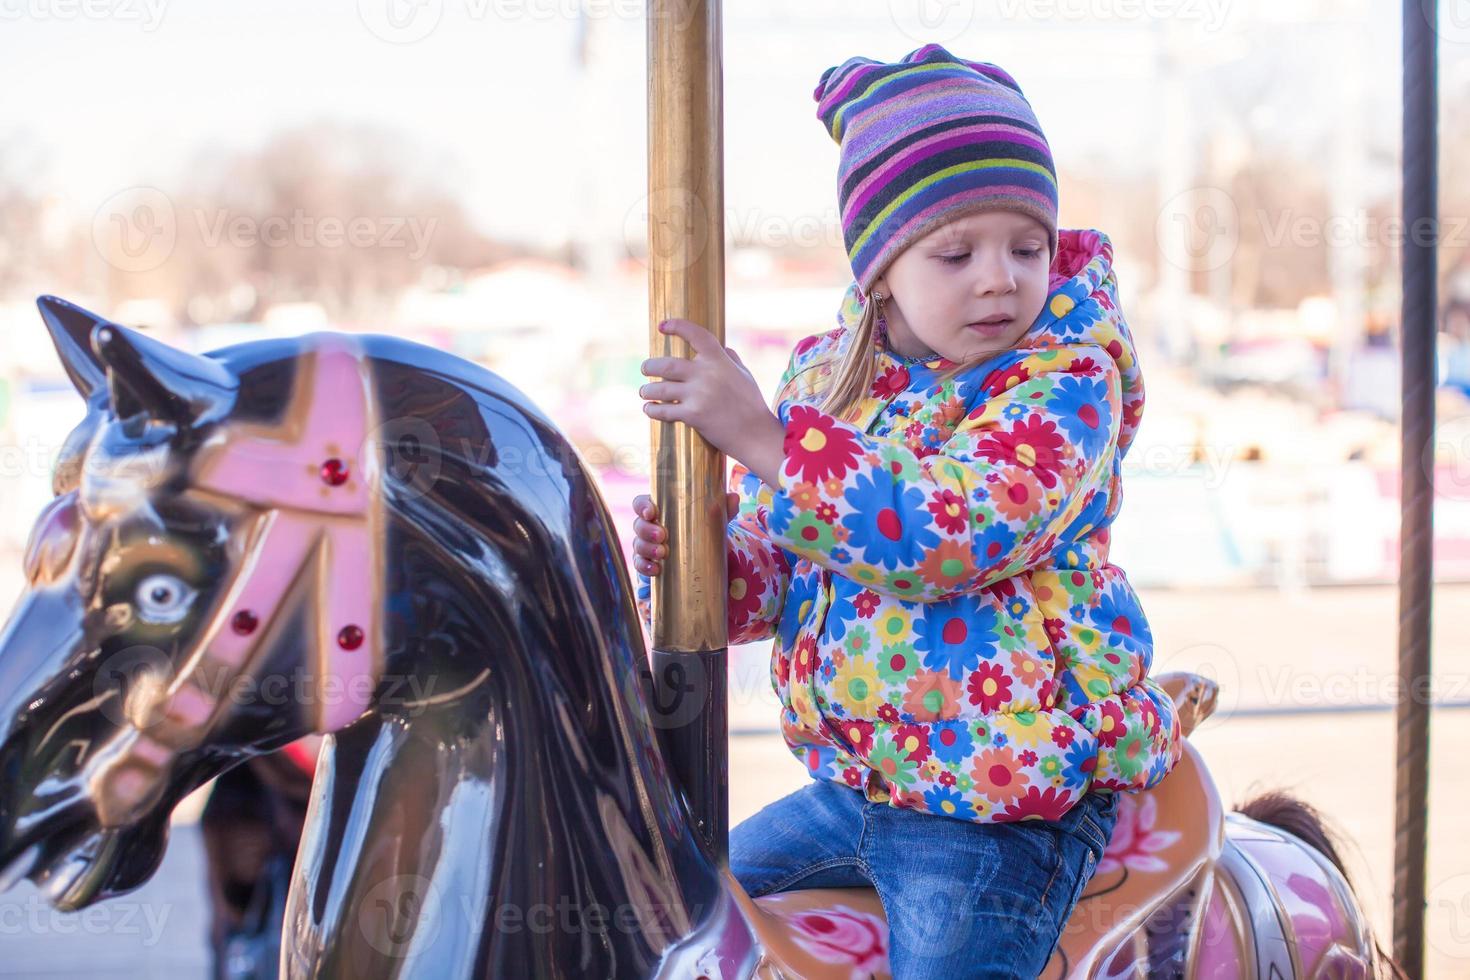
(1418, 324)
(686, 236)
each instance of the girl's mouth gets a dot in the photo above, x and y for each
(989, 326)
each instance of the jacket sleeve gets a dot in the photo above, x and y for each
(757, 570)
(990, 502)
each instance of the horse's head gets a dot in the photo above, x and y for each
(204, 586)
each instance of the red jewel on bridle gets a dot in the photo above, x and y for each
(350, 638)
(244, 622)
(335, 472)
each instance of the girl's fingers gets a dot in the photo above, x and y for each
(653, 534)
(696, 336)
(644, 508)
(663, 391)
(649, 549)
(647, 530)
(668, 368)
(649, 568)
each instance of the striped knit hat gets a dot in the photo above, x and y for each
(925, 141)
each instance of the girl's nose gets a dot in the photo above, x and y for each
(994, 277)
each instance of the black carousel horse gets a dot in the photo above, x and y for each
(367, 538)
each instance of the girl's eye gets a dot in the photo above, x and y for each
(1029, 253)
(163, 599)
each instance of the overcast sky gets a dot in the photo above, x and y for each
(120, 93)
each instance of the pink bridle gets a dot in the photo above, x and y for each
(314, 479)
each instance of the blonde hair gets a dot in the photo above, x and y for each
(852, 381)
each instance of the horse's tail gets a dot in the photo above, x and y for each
(1302, 820)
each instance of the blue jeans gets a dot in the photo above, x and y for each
(963, 899)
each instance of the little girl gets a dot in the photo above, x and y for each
(922, 525)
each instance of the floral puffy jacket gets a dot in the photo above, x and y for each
(949, 633)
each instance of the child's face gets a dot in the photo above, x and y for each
(975, 267)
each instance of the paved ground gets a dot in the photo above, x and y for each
(1329, 649)
(157, 932)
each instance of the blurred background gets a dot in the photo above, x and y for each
(471, 174)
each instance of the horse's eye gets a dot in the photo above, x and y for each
(163, 599)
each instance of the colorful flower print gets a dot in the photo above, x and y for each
(888, 526)
(950, 741)
(857, 686)
(997, 775)
(954, 637)
(818, 446)
(989, 687)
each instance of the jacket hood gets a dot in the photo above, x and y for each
(1081, 309)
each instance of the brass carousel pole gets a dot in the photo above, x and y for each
(687, 281)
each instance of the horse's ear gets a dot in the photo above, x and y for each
(148, 377)
(71, 331)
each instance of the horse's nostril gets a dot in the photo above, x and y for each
(53, 540)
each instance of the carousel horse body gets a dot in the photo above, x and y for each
(368, 539)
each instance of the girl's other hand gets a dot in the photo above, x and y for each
(650, 540)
